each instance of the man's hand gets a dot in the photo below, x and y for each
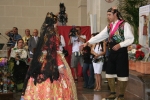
(116, 47)
(77, 34)
(80, 47)
(85, 44)
(69, 43)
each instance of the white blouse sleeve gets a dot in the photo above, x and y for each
(24, 54)
(12, 54)
(62, 41)
(99, 37)
(129, 38)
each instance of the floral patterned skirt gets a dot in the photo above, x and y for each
(58, 90)
(62, 89)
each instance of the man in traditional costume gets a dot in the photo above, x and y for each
(119, 36)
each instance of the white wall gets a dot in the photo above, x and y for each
(100, 8)
(31, 13)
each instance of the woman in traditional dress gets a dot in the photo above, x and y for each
(49, 76)
(17, 64)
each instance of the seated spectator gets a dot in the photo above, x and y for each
(26, 38)
(13, 37)
(17, 64)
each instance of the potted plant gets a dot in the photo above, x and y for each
(136, 55)
(130, 12)
(138, 58)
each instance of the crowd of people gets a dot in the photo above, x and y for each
(48, 75)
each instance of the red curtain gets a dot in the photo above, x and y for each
(64, 30)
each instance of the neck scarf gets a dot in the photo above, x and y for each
(112, 32)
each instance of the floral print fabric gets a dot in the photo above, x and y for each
(61, 89)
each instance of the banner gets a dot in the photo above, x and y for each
(144, 28)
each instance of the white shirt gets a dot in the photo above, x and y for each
(129, 38)
(76, 43)
(36, 39)
(22, 53)
(63, 44)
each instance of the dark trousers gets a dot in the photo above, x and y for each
(88, 80)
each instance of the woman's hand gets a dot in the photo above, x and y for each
(61, 70)
(17, 58)
(96, 55)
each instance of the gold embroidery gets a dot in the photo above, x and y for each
(74, 91)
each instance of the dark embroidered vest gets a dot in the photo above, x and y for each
(119, 34)
(117, 38)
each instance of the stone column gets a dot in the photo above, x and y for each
(93, 8)
(82, 12)
(100, 8)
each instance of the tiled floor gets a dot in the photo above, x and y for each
(89, 94)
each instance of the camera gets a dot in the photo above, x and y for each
(95, 60)
(98, 60)
(73, 32)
